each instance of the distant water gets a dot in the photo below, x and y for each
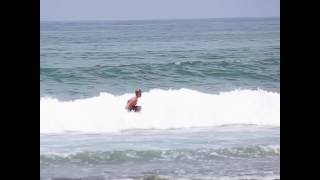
(210, 102)
(82, 59)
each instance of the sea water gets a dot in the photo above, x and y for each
(210, 101)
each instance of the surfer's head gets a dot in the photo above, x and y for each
(138, 92)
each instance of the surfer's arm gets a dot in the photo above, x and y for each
(132, 102)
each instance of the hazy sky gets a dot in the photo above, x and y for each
(155, 9)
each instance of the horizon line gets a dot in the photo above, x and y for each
(159, 19)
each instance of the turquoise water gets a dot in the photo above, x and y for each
(210, 101)
(82, 59)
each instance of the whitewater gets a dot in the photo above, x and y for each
(161, 109)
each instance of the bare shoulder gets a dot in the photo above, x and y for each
(132, 99)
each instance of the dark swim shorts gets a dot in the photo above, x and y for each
(135, 108)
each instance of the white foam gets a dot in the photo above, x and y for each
(161, 109)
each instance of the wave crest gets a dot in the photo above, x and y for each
(101, 157)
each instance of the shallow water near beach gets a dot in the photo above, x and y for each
(241, 152)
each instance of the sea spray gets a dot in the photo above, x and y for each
(161, 109)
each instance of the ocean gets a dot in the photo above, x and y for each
(210, 99)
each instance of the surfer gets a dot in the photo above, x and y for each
(132, 103)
